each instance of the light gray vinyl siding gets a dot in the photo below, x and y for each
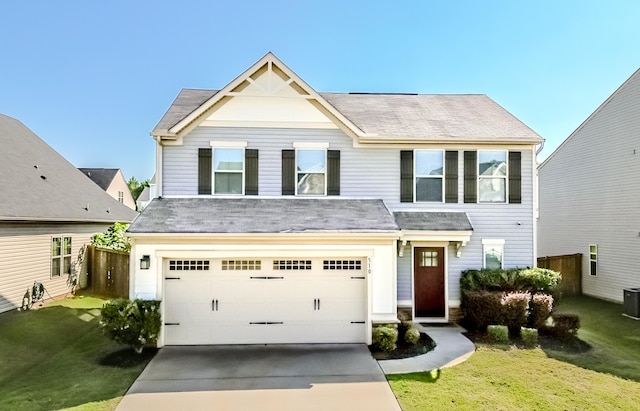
(25, 257)
(590, 194)
(370, 172)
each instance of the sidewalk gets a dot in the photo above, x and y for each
(451, 348)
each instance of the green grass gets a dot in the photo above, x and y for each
(605, 376)
(56, 358)
(614, 338)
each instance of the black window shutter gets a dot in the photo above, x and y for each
(406, 176)
(450, 176)
(333, 172)
(251, 172)
(204, 171)
(515, 177)
(288, 172)
(470, 177)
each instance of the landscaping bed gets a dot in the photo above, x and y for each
(405, 350)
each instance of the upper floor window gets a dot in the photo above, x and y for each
(311, 171)
(429, 175)
(593, 259)
(228, 170)
(121, 196)
(492, 176)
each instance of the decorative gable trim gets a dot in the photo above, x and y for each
(268, 62)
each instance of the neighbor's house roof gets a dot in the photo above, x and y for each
(433, 221)
(263, 216)
(101, 176)
(38, 184)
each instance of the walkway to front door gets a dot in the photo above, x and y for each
(336, 377)
(428, 282)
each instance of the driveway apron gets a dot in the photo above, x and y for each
(306, 377)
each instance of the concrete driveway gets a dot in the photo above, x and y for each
(323, 377)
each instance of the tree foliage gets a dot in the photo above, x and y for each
(113, 238)
(136, 187)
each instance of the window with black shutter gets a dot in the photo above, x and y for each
(451, 177)
(406, 176)
(251, 172)
(204, 171)
(470, 177)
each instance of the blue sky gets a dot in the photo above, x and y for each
(93, 78)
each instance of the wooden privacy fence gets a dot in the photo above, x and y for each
(570, 266)
(108, 272)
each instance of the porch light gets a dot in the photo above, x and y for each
(145, 262)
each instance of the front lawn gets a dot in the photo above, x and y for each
(605, 376)
(56, 357)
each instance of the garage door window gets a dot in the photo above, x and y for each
(241, 265)
(342, 265)
(292, 264)
(188, 265)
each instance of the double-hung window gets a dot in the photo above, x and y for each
(121, 196)
(60, 256)
(593, 259)
(228, 170)
(429, 175)
(311, 171)
(493, 253)
(492, 176)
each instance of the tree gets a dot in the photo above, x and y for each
(136, 187)
(113, 238)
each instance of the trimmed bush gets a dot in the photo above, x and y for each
(540, 308)
(131, 322)
(482, 308)
(541, 280)
(385, 338)
(516, 311)
(412, 336)
(498, 334)
(529, 337)
(565, 325)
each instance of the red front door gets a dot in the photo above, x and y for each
(428, 282)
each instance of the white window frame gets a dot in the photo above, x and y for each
(505, 177)
(488, 244)
(593, 259)
(121, 196)
(311, 146)
(416, 176)
(63, 257)
(227, 145)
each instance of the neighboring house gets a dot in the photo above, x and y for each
(113, 182)
(285, 215)
(147, 194)
(590, 192)
(48, 213)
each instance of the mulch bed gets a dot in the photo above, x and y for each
(404, 350)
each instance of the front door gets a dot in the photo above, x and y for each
(428, 282)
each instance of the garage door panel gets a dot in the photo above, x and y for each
(266, 305)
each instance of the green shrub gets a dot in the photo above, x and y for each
(385, 338)
(135, 323)
(412, 336)
(529, 337)
(565, 325)
(541, 280)
(516, 311)
(540, 308)
(498, 334)
(481, 308)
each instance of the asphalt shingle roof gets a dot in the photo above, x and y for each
(433, 221)
(400, 117)
(101, 176)
(260, 215)
(39, 184)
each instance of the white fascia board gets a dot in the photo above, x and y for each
(268, 58)
(420, 235)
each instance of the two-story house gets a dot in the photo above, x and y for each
(285, 215)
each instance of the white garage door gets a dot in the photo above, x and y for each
(265, 301)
